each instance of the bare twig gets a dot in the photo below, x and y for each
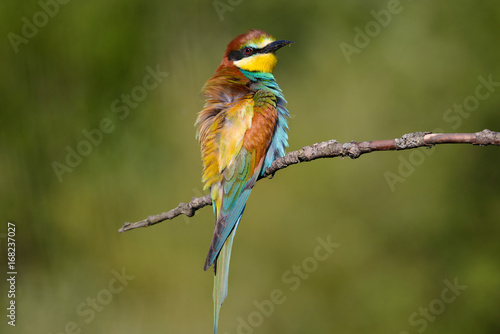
(331, 149)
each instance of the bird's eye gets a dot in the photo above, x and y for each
(248, 51)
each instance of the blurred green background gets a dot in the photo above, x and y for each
(398, 244)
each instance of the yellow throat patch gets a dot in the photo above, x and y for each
(260, 62)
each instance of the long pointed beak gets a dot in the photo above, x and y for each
(274, 46)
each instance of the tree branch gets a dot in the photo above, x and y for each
(331, 149)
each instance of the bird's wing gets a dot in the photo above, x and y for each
(245, 136)
(232, 164)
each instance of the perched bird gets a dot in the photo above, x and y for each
(242, 129)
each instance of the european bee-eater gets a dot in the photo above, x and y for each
(242, 129)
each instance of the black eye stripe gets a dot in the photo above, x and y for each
(240, 54)
(235, 55)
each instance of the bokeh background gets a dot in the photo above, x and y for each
(398, 244)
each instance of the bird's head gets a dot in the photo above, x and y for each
(254, 51)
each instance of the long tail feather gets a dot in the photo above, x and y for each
(222, 275)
